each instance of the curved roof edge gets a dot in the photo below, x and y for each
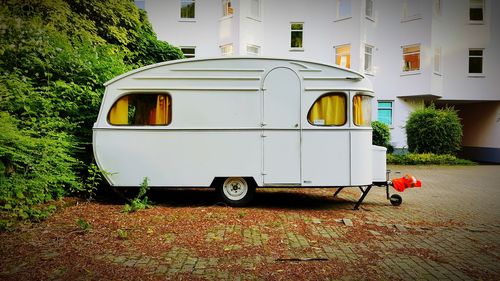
(119, 77)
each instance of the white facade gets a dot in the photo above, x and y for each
(438, 33)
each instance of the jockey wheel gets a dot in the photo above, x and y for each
(396, 200)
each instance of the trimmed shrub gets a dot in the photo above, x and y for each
(381, 134)
(426, 159)
(431, 130)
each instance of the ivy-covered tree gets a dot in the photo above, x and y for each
(55, 56)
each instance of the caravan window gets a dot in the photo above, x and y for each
(362, 110)
(328, 110)
(141, 109)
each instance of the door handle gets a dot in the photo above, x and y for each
(296, 125)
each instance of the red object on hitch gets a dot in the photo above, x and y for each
(408, 181)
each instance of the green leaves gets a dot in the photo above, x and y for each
(55, 56)
(431, 130)
(381, 134)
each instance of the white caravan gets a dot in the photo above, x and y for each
(238, 123)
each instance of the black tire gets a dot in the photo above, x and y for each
(396, 200)
(236, 191)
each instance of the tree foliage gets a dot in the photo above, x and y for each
(432, 130)
(55, 56)
(381, 135)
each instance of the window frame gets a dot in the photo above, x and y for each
(227, 8)
(228, 46)
(253, 53)
(391, 109)
(157, 93)
(301, 31)
(188, 56)
(353, 112)
(411, 71)
(259, 9)
(368, 70)
(437, 67)
(339, 9)
(369, 16)
(348, 61)
(412, 10)
(346, 110)
(475, 74)
(481, 6)
(180, 10)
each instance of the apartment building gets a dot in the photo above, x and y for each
(415, 52)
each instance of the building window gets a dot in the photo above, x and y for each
(384, 112)
(369, 9)
(227, 8)
(141, 4)
(476, 11)
(141, 110)
(411, 57)
(255, 8)
(253, 50)
(189, 52)
(437, 7)
(328, 110)
(368, 59)
(297, 33)
(437, 60)
(343, 56)
(411, 10)
(343, 9)
(187, 9)
(226, 50)
(476, 61)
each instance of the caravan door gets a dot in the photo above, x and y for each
(281, 128)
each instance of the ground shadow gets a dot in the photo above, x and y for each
(264, 199)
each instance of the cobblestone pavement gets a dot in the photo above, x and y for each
(447, 230)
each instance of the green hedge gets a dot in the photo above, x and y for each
(426, 159)
(55, 56)
(432, 130)
(381, 135)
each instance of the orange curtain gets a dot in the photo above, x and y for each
(119, 112)
(328, 110)
(161, 112)
(358, 111)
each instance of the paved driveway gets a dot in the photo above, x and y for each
(447, 230)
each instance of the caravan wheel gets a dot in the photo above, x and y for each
(236, 191)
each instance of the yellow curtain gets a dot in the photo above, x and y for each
(358, 111)
(330, 109)
(162, 105)
(119, 112)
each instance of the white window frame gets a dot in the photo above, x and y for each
(386, 108)
(437, 61)
(337, 54)
(251, 48)
(301, 48)
(369, 69)
(470, 74)
(369, 3)
(189, 56)
(227, 8)
(340, 6)
(416, 71)
(412, 10)
(227, 50)
(437, 7)
(259, 10)
(480, 5)
(180, 10)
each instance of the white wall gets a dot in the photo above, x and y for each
(388, 32)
